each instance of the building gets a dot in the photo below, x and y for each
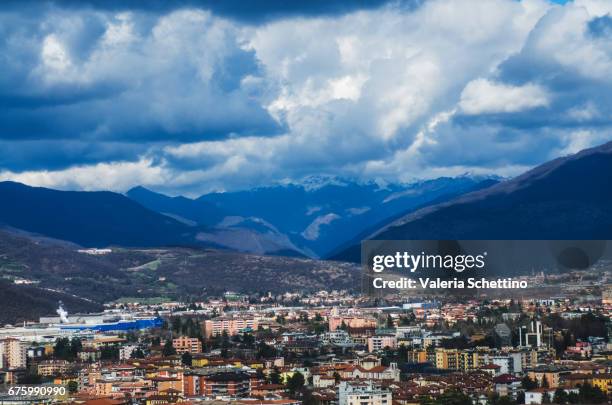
(417, 356)
(606, 296)
(580, 350)
(230, 325)
(13, 353)
(391, 373)
(447, 359)
(507, 385)
(539, 396)
(50, 368)
(379, 342)
(235, 384)
(531, 335)
(544, 395)
(185, 344)
(268, 402)
(126, 351)
(363, 394)
(548, 376)
(503, 334)
(492, 369)
(351, 322)
(505, 363)
(338, 338)
(603, 382)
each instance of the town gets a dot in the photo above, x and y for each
(327, 347)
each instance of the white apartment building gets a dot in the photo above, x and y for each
(366, 393)
(379, 342)
(13, 353)
(229, 325)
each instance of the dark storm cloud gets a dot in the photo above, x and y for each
(54, 155)
(248, 11)
(78, 74)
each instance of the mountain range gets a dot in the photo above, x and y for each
(311, 219)
(569, 198)
(291, 220)
(87, 218)
(170, 246)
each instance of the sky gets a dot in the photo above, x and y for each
(189, 97)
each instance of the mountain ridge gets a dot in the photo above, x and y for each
(312, 218)
(565, 198)
(88, 218)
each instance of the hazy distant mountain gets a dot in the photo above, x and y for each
(320, 217)
(250, 234)
(313, 218)
(88, 218)
(217, 226)
(181, 208)
(567, 198)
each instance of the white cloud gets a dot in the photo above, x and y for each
(482, 96)
(54, 55)
(116, 176)
(385, 93)
(562, 37)
(575, 141)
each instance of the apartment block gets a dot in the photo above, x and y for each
(13, 353)
(229, 325)
(185, 344)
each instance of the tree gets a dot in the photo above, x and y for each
(186, 359)
(591, 395)
(168, 349)
(30, 378)
(73, 387)
(248, 340)
(560, 397)
(137, 353)
(61, 349)
(495, 399)
(337, 377)
(265, 351)
(67, 349)
(225, 340)
(275, 377)
(109, 352)
(573, 398)
(528, 384)
(402, 353)
(260, 375)
(546, 398)
(176, 324)
(75, 346)
(295, 383)
(452, 397)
